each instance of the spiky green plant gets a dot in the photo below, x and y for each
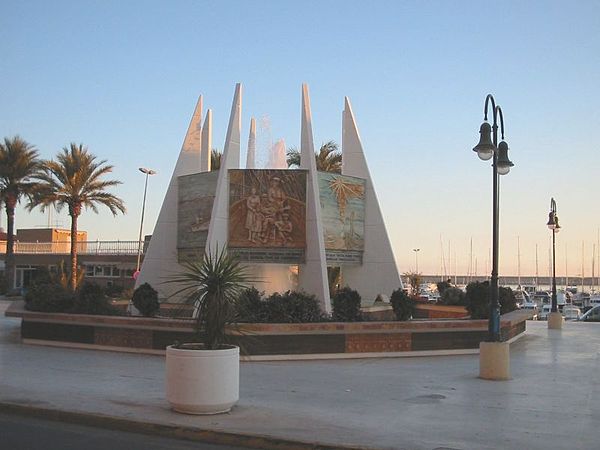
(213, 285)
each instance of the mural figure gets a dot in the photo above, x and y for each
(271, 206)
(254, 216)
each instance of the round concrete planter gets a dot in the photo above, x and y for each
(202, 381)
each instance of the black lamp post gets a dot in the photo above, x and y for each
(147, 172)
(489, 148)
(416, 250)
(555, 227)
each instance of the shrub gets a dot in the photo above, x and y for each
(346, 305)
(3, 283)
(293, 307)
(145, 299)
(402, 304)
(477, 300)
(508, 301)
(251, 307)
(442, 286)
(453, 296)
(91, 300)
(46, 296)
(114, 290)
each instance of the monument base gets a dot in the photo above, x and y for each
(555, 321)
(494, 360)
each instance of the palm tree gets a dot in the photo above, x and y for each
(18, 164)
(215, 159)
(328, 158)
(75, 180)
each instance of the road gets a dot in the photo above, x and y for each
(25, 433)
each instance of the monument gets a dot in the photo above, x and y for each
(286, 225)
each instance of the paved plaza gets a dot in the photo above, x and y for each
(552, 402)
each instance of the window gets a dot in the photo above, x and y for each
(104, 271)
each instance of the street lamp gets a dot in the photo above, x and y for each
(147, 172)
(494, 355)
(416, 250)
(554, 318)
(488, 148)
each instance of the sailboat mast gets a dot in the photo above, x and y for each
(582, 265)
(566, 266)
(537, 273)
(519, 260)
(593, 289)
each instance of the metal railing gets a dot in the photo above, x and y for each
(83, 248)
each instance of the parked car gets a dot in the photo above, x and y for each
(533, 307)
(571, 312)
(593, 315)
(546, 309)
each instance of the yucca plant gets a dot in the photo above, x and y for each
(213, 285)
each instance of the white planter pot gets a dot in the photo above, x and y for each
(203, 381)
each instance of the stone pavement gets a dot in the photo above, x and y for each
(552, 402)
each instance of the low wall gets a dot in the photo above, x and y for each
(432, 311)
(266, 341)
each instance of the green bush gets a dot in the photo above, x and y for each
(452, 296)
(145, 299)
(346, 305)
(293, 307)
(91, 300)
(3, 283)
(442, 286)
(114, 290)
(402, 304)
(47, 296)
(508, 301)
(477, 300)
(250, 307)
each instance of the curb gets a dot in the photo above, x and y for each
(170, 431)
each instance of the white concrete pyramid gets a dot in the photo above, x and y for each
(161, 256)
(312, 275)
(218, 228)
(378, 273)
(251, 154)
(206, 143)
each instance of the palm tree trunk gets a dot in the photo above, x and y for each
(74, 213)
(10, 246)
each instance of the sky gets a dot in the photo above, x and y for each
(123, 79)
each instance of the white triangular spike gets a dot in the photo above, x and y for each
(251, 154)
(378, 273)
(218, 228)
(191, 142)
(312, 275)
(161, 256)
(205, 159)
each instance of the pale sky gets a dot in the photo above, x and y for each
(123, 78)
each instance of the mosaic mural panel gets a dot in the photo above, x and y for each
(196, 195)
(267, 208)
(342, 211)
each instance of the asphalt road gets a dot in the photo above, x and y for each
(25, 433)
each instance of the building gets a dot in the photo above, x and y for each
(107, 263)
